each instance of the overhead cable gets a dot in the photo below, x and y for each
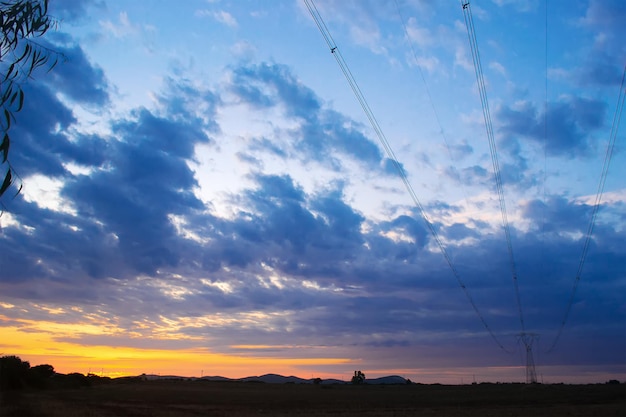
(321, 25)
(471, 34)
(596, 205)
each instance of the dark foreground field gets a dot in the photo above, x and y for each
(204, 398)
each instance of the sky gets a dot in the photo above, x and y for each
(203, 194)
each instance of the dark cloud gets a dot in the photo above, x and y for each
(266, 85)
(147, 180)
(41, 135)
(607, 14)
(474, 175)
(460, 151)
(602, 70)
(68, 11)
(75, 77)
(566, 128)
(139, 179)
(325, 136)
(335, 276)
(268, 145)
(38, 136)
(459, 231)
(558, 215)
(603, 64)
(305, 229)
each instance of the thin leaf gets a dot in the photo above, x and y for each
(4, 147)
(24, 54)
(19, 190)
(6, 77)
(34, 57)
(54, 64)
(7, 93)
(7, 116)
(21, 103)
(14, 97)
(6, 183)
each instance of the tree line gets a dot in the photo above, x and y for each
(16, 374)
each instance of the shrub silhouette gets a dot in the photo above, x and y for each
(358, 378)
(14, 373)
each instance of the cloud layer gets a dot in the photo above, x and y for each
(133, 228)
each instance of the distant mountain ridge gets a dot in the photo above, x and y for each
(281, 379)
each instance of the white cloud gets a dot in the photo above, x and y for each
(429, 63)
(244, 50)
(46, 193)
(420, 35)
(498, 67)
(220, 16)
(368, 37)
(461, 59)
(519, 5)
(120, 29)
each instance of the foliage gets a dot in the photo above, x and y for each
(20, 21)
(13, 373)
(358, 378)
(16, 374)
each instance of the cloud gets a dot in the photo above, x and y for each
(519, 5)
(72, 10)
(419, 35)
(44, 146)
(276, 256)
(138, 178)
(566, 127)
(474, 175)
(123, 28)
(220, 16)
(93, 90)
(609, 14)
(323, 135)
(602, 65)
(498, 67)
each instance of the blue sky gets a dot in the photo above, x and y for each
(200, 183)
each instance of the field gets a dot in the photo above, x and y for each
(241, 399)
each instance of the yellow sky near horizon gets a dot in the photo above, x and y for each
(109, 353)
(38, 342)
(39, 347)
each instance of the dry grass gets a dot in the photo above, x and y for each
(202, 398)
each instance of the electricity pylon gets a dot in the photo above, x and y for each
(528, 339)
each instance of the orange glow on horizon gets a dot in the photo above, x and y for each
(60, 345)
(35, 342)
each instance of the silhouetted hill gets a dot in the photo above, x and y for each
(276, 379)
(393, 379)
(281, 379)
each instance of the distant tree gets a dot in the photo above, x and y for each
(13, 373)
(39, 376)
(21, 21)
(43, 371)
(317, 381)
(358, 377)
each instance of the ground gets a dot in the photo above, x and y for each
(239, 399)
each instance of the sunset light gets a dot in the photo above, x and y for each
(426, 190)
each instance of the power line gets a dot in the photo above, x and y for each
(430, 99)
(321, 25)
(596, 205)
(419, 67)
(544, 178)
(471, 34)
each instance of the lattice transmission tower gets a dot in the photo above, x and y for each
(528, 339)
